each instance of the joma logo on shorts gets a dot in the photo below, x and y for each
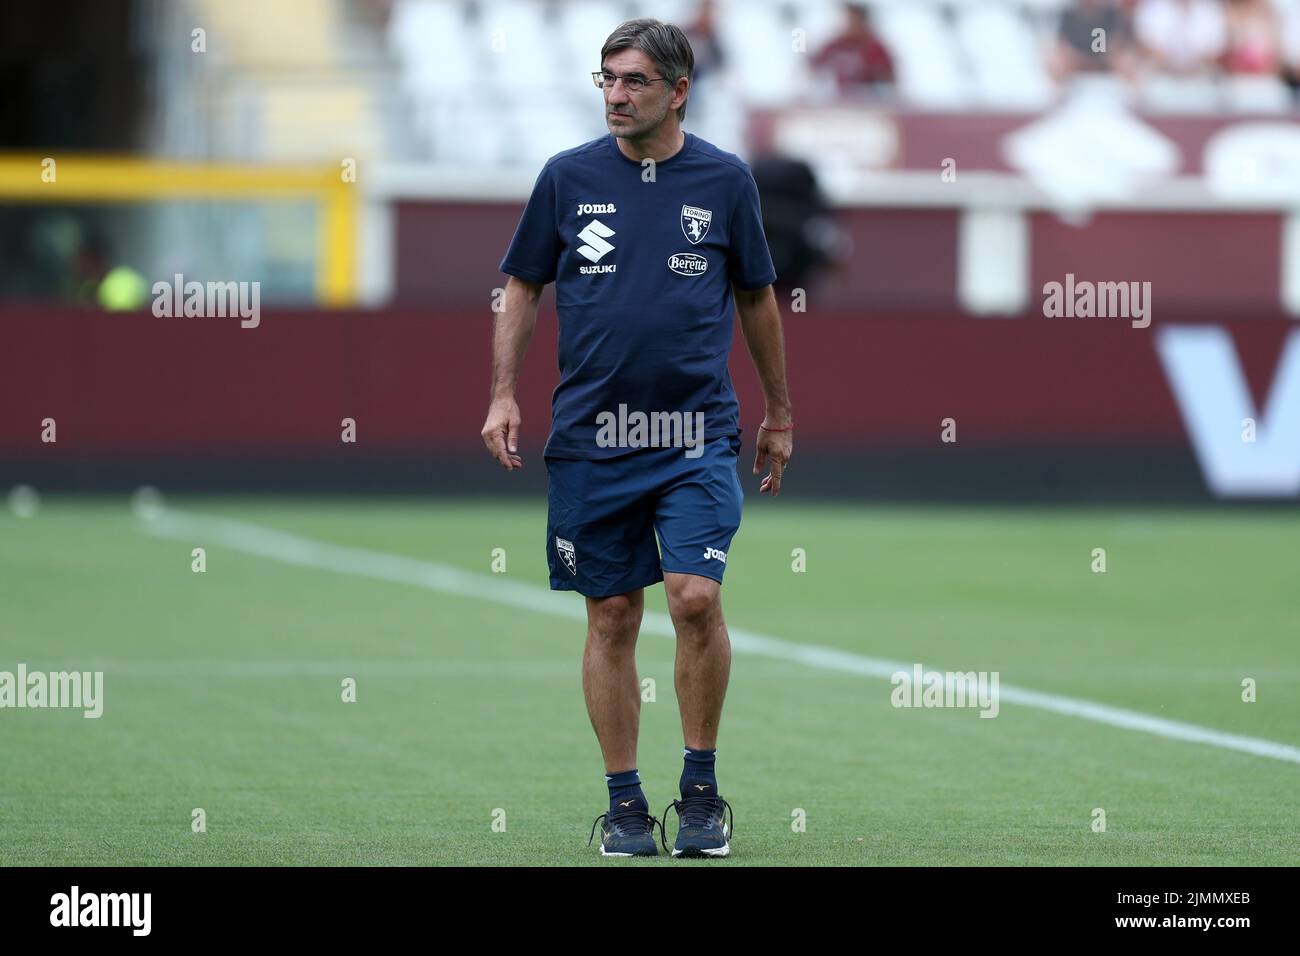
(593, 208)
(711, 554)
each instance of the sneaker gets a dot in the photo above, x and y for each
(702, 831)
(627, 833)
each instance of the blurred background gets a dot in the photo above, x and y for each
(926, 168)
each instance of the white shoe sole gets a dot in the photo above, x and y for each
(603, 853)
(723, 850)
(719, 851)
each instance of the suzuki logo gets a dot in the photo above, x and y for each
(594, 235)
(1213, 398)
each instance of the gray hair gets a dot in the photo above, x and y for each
(664, 43)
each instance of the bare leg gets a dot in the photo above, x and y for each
(703, 655)
(609, 681)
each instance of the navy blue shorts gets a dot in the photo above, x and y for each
(600, 534)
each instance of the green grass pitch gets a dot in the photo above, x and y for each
(223, 691)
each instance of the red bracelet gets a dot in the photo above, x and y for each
(786, 429)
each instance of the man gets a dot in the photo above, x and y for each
(1078, 49)
(857, 58)
(653, 238)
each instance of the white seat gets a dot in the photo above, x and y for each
(1178, 94)
(584, 25)
(518, 47)
(428, 38)
(1008, 69)
(459, 136)
(546, 129)
(1048, 6)
(679, 12)
(925, 55)
(1257, 94)
(756, 41)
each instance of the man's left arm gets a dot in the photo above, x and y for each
(760, 322)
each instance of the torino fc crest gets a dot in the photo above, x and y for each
(695, 222)
(567, 554)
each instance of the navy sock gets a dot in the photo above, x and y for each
(625, 792)
(698, 779)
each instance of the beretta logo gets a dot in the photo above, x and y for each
(688, 263)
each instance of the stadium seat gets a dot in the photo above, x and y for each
(756, 39)
(426, 36)
(1001, 47)
(437, 68)
(680, 12)
(1257, 94)
(582, 29)
(517, 45)
(925, 55)
(1178, 94)
(1048, 6)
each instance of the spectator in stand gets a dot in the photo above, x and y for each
(1291, 45)
(703, 35)
(1182, 37)
(857, 59)
(1080, 48)
(1254, 38)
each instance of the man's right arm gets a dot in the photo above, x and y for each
(511, 333)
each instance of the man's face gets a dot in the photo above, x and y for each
(635, 114)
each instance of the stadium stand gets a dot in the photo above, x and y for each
(955, 55)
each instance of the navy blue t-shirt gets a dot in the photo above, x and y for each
(642, 274)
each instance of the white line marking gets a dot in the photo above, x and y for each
(388, 668)
(359, 562)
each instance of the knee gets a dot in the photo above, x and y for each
(695, 604)
(614, 619)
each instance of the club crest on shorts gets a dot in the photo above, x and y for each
(567, 555)
(695, 222)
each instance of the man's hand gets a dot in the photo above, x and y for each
(760, 321)
(501, 432)
(511, 330)
(774, 449)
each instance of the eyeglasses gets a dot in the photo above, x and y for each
(632, 82)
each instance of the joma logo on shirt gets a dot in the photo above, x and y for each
(713, 554)
(595, 208)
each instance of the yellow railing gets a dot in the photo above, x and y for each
(81, 178)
